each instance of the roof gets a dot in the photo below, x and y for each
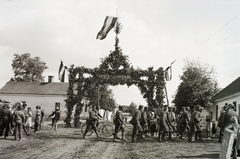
(40, 88)
(232, 88)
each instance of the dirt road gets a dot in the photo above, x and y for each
(67, 143)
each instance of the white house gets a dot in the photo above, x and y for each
(48, 95)
(228, 95)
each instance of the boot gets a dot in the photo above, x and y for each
(115, 137)
(133, 138)
(160, 137)
(196, 136)
(200, 136)
(170, 136)
(164, 137)
(190, 137)
(123, 138)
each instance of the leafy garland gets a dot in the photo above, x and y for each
(150, 83)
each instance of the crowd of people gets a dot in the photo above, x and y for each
(14, 122)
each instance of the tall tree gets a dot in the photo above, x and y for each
(27, 69)
(132, 108)
(198, 85)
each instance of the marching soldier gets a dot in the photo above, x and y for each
(119, 122)
(137, 129)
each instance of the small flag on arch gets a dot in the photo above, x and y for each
(61, 72)
(168, 73)
(109, 23)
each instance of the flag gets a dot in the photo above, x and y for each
(168, 73)
(61, 72)
(109, 23)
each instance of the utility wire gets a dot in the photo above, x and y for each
(216, 32)
(221, 42)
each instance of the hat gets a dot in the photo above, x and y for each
(19, 107)
(230, 106)
(8, 105)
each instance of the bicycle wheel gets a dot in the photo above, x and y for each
(83, 129)
(107, 130)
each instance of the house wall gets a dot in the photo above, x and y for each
(47, 102)
(218, 104)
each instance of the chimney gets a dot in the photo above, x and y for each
(50, 79)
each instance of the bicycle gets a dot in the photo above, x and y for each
(106, 129)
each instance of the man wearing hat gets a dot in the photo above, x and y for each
(119, 124)
(19, 118)
(92, 121)
(6, 120)
(137, 129)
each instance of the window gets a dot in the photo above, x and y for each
(57, 104)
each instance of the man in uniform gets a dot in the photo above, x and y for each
(171, 122)
(143, 121)
(137, 129)
(184, 121)
(163, 124)
(119, 122)
(197, 118)
(92, 121)
(19, 118)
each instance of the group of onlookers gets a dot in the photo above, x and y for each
(19, 120)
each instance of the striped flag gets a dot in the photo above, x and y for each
(61, 72)
(168, 73)
(109, 23)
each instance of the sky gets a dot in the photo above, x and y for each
(154, 34)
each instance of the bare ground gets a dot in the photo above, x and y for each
(67, 143)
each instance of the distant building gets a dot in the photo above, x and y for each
(48, 95)
(228, 95)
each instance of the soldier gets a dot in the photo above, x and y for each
(6, 118)
(192, 128)
(91, 122)
(184, 121)
(119, 122)
(171, 121)
(163, 124)
(137, 129)
(19, 119)
(197, 118)
(143, 121)
(150, 117)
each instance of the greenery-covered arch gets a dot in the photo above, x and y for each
(114, 69)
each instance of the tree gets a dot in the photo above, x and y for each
(101, 95)
(27, 69)
(198, 85)
(132, 108)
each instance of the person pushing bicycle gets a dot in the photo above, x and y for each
(92, 122)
